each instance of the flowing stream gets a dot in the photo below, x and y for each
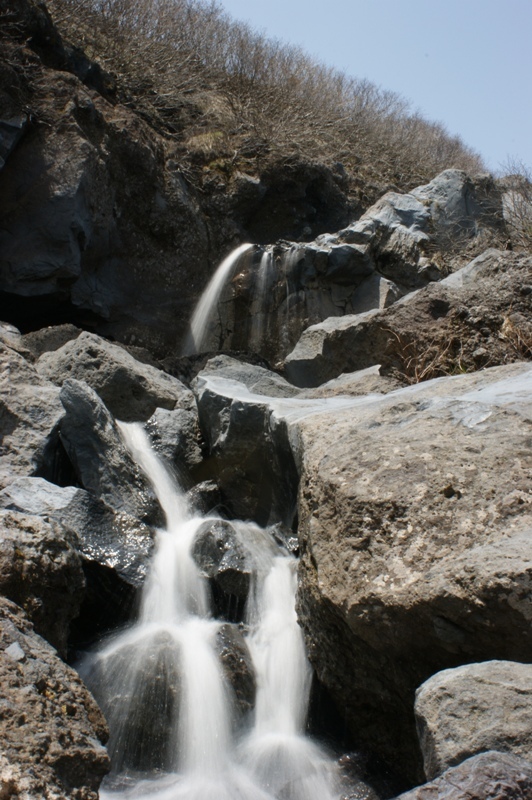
(170, 708)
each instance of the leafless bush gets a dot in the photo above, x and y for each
(517, 204)
(271, 98)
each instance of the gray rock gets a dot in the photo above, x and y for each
(472, 709)
(334, 346)
(483, 777)
(375, 292)
(435, 331)
(130, 389)
(101, 460)
(414, 529)
(205, 497)
(41, 571)
(220, 555)
(258, 380)
(112, 539)
(249, 447)
(175, 436)
(48, 339)
(29, 411)
(61, 753)
(348, 263)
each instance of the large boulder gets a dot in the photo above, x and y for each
(29, 411)
(41, 571)
(247, 441)
(130, 389)
(60, 755)
(415, 527)
(472, 709)
(476, 317)
(487, 776)
(100, 457)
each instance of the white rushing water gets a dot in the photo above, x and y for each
(197, 337)
(163, 689)
(260, 304)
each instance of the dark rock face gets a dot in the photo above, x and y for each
(248, 445)
(40, 571)
(175, 436)
(103, 225)
(100, 458)
(472, 709)
(79, 220)
(482, 777)
(61, 753)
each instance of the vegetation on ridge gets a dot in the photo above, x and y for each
(237, 100)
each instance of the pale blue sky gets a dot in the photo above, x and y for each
(465, 63)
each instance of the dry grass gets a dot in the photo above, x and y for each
(516, 330)
(414, 360)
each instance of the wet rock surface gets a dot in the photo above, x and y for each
(175, 436)
(61, 755)
(238, 669)
(221, 556)
(482, 777)
(248, 445)
(138, 687)
(472, 709)
(100, 458)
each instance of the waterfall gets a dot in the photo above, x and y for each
(162, 686)
(197, 338)
(261, 301)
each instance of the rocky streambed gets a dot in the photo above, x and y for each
(409, 507)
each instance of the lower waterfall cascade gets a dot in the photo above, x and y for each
(171, 711)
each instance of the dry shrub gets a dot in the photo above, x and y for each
(516, 330)
(415, 360)
(273, 99)
(517, 204)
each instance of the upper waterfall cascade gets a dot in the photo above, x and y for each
(170, 709)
